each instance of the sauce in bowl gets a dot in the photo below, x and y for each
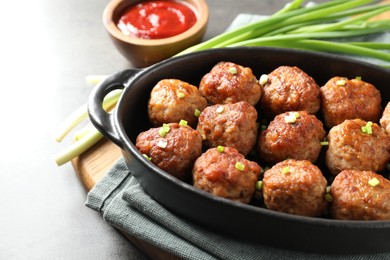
(156, 19)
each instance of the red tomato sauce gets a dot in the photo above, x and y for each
(157, 19)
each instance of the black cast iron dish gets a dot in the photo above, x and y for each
(242, 221)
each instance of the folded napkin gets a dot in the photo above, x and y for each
(124, 205)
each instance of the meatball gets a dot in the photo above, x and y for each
(224, 172)
(360, 195)
(228, 82)
(289, 89)
(172, 147)
(343, 99)
(172, 100)
(294, 135)
(231, 125)
(385, 119)
(295, 187)
(357, 145)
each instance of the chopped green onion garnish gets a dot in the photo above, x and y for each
(181, 95)
(291, 117)
(328, 197)
(233, 70)
(327, 189)
(373, 182)
(324, 143)
(220, 109)
(197, 113)
(358, 78)
(263, 79)
(147, 157)
(183, 122)
(341, 82)
(286, 170)
(239, 166)
(220, 148)
(164, 130)
(259, 185)
(367, 129)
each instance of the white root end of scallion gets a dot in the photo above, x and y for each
(71, 122)
(77, 148)
(95, 79)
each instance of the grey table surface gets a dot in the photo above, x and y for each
(47, 49)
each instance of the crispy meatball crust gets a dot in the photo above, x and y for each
(351, 148)
(299, 140)
(385, 119)
(216, 172)
(343, 98)
(295, 187)
(175, 152)
(355, 199)
(172, 100)
(289, 89)
(232, 125)
(228, 82)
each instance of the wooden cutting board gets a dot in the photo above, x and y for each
(92, 165)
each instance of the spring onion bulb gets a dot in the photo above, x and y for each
(77, 148)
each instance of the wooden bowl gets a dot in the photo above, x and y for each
(145, 52)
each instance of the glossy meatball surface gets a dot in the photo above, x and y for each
(294, 135)
(228, 82)
(352, 148)
(172, 100)
(174, 149)
(360, 195)
(232, 125)
(343, 98)
(226, 174)
(289, 89)
(295, 187)
(385, 119)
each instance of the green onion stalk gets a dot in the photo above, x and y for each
(326, 27)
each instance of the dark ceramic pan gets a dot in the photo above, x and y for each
(246, 222)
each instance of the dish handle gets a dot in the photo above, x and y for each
(101, 119)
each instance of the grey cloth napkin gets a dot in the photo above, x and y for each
(124, 205)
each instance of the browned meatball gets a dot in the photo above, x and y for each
(352, 146)
(289, 89)
(343, 98)
(385, 119)
(294, 135)
(231, 125)
(296, 187)
(360, 195)
(173, 148)
(228, 82)
(172, 100)
(226, 173)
